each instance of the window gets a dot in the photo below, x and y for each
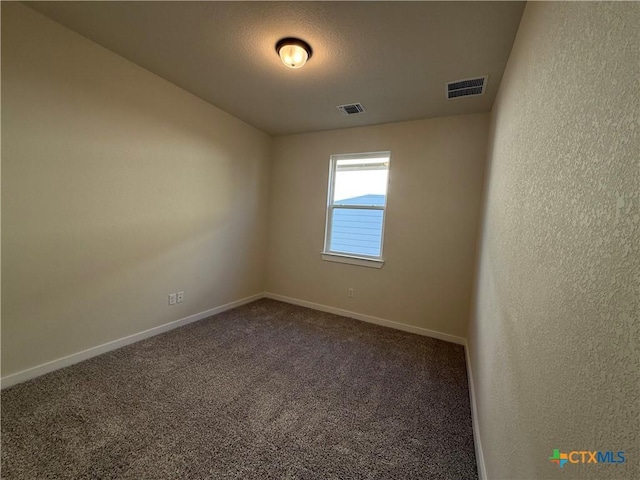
(356, 208)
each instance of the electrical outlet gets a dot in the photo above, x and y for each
(350, 293)
(180, 297)
(172, 299)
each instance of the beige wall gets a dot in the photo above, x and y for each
(554, 336)
(117, 189)
(430, 231)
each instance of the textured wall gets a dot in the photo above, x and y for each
(117, 189)
(554, 337)
(435, 190)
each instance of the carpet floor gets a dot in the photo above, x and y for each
(265, 391)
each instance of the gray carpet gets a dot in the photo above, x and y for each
(265, 391)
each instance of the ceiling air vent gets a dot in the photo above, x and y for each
(465, 88)
(351, 109)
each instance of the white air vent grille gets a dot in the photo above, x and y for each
(467, 87)
(351, 109)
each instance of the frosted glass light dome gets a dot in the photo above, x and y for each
(293, 52)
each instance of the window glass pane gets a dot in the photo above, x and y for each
(356, 231)
(361, 181)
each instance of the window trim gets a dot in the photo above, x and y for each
(352, 260)
(346, 257)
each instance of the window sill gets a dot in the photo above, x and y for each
(352, 260)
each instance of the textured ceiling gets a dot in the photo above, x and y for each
(393, 57)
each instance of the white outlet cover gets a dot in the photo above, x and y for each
(172, 299)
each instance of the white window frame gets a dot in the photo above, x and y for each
(349, 258)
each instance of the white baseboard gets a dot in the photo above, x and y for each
(59, 363)
(368, 318)
(482, 472)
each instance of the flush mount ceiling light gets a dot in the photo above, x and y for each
(293, 52)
